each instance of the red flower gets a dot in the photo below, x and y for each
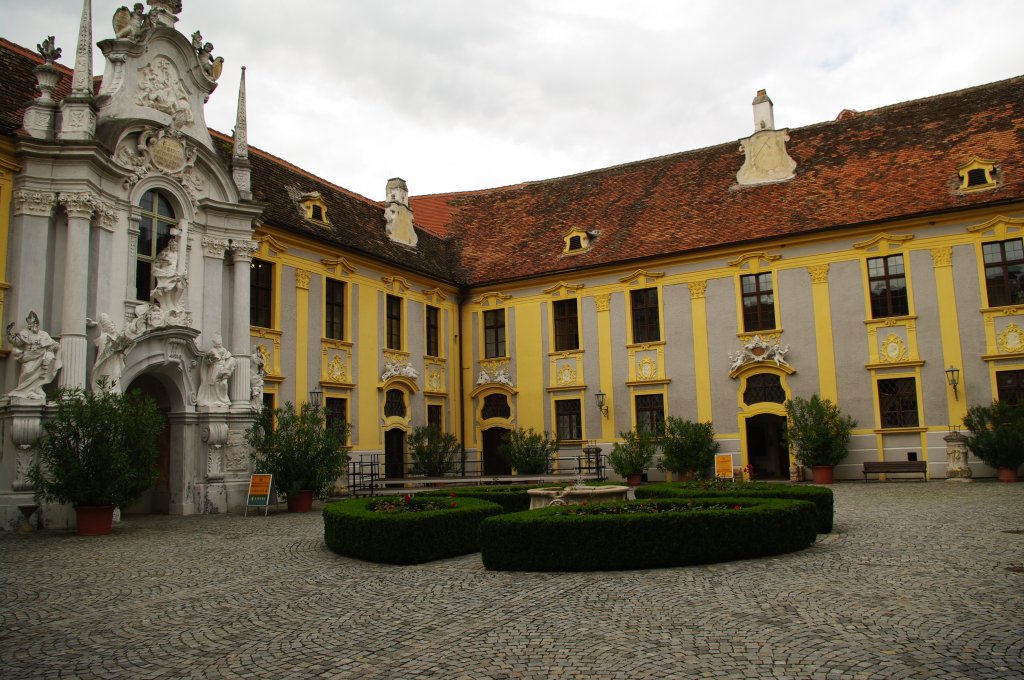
(736, 507)
(408, 499)
(583, 503)
(451, 495)
(453, 502)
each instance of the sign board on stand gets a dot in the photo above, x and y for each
(723, 466)
(259, 493)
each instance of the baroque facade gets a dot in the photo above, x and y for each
(875, 260)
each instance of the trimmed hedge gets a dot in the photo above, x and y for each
(352, 529)
(819, 495)
(552, 539)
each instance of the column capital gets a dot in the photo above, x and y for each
(819, 273)
(38, 203)
(214, 246)
(243, 250)
(697, 289)
(79, 204)
(942, 256)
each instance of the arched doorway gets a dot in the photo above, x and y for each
(157, 499)
(394, 453)
(494, 462)
(763, 420)
(766, 446)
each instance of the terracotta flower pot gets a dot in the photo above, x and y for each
(822, 474)
(94, 520)
(1007, 474)
(635, 479)
(301, 501)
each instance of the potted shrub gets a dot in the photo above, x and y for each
(97, 452)
(633, 455)
(300, 450)
(529, 452)
(434, 453)
(820, 433)
(688, 448)
(997, 436)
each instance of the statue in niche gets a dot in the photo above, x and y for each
(38, 355)
(111, 348)
(257, 370)
(170, 283)
(218, 365)
(128, 23)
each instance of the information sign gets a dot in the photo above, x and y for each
(723, 465)
(259, 492)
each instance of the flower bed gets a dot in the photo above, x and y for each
(405, 530)
(646, 534)
(819, 495)
(510, 498)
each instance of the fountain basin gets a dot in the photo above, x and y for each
(575, 495)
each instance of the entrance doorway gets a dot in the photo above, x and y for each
(157, 500)
(394, 453)
(494, 462)
(766, 446)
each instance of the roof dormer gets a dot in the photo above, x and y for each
(315, 207)
(577, 241)
(977, 175)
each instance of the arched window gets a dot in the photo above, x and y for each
(495, 406)
(394, 404)
(764, 387)
(154, 232)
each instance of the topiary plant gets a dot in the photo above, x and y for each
(818, 430)
(434, 453)
(529, 452)
(634, 453)
(688, 447)
(996, 434)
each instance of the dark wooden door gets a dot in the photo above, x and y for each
(494, 462)
(394, 453)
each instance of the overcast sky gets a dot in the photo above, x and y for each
(468, 94)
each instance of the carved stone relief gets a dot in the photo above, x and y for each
(160, 88)
(336, 371)
(497, 372)
(236, 452)
(161, 151)
(37, 203)
(892, 349)
(766, 159)
(1011, 339)
(758, 350)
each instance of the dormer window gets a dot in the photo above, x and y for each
(316, 213)
(977, 175)
(577, 241)
(314, 206)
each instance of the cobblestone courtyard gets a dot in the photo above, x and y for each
(913, 583)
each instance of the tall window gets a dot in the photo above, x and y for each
(394, 403)
(567, 327)
(764, 387)
(1010, 386)
(1004, 272)
(394, 322)
(154, 234)
(433, 331)
(494, 333)
(261, 293)
(335, 410)
(434, 417)
(758, 302)
(495, 406)
(650, 412)
(334, 310)
(888, 283)
(646, 320)
(568, 419)
(897, 402)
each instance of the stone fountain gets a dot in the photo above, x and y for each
(575, 494)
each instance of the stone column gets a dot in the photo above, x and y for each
(73, 344)
(241, 256)
(213, 284)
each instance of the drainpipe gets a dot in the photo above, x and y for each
(462, 385)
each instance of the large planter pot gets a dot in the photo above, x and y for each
(301, 501)
(635, 479)
(822, 474)
(1007, 474)
(94, 520)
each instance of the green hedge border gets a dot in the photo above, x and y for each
(821, 496)
(352, 529)
(552, 540)
(510, 498)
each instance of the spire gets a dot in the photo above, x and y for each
(78, 119)
(240, 153)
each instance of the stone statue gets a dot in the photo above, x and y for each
(39, 357)
(218, 365)
(170, 283)
(128, 23)
(111, 348)
(257, 370)
(48, 50)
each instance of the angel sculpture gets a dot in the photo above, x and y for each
(128, 23)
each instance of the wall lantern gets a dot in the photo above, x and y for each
(600, 403)
(316, 398)
(953, 378)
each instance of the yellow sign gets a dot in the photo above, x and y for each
(259, 490)
(723, 465)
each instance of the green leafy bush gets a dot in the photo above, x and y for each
(634, 453)
(299, 449)
(529, 452)
(818, 430)
(98, 449)
(688, 447)
(353, 528)
(821, 496)
(996, 434)
(434, 453)
(564, 539)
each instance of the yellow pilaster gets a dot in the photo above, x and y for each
(366, 375)
(949, 330)
(529, 367)
(823, 333)
(301, 336)
(604, 349)
(701, 361)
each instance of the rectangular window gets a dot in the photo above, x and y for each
(758, 302)
(897, 402)
(393, 330)
(888, 283)
(1004, 272)
(433, 331)
(268, 400)
(646, 319)
(650, 412)
(434, 417)
(335, 410)
(568, 419)
(334, 310)
(567, 328)
(1010, 386)
(494, 333)
(261, 294)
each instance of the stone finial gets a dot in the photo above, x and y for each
(41, 114)
(240, 170)
(764, 118)
(78, 117)
(397, 215)
(48, 50)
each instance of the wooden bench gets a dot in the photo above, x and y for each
(888, 466)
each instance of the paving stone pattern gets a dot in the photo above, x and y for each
(913, 583)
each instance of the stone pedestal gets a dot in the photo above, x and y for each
(957, 469)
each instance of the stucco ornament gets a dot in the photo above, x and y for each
(112, 346)
(257, 372)
(497, 374)
(163, 151)
(160, 88)
(758, 350)
(394, 369)
(37, 354)
(218, 365)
